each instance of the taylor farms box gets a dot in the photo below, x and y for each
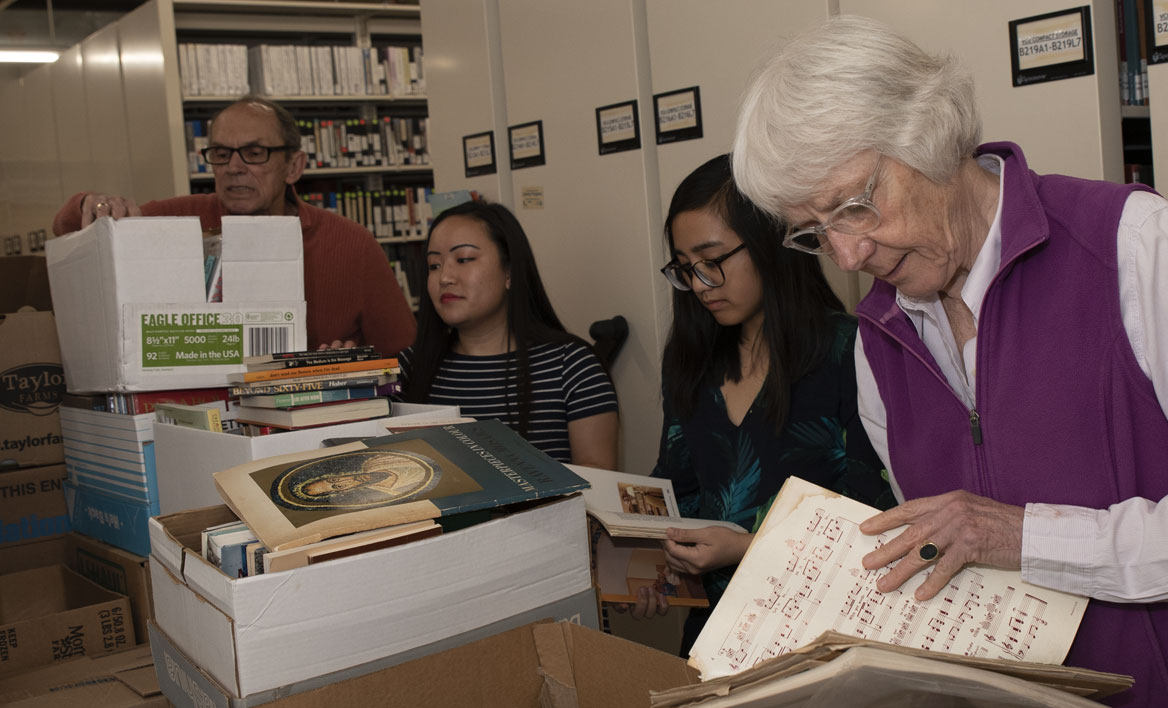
(258, 634)
(32, 504)
(187, 458)
(536, 665)
(31, 379)
(131, 301)
(53, 614)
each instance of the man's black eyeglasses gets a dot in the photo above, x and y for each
(680, 275)
(251, 154)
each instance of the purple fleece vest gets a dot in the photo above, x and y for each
(1066, 414)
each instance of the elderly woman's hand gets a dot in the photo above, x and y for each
(964, 527)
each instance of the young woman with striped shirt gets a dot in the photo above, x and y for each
(490, 342)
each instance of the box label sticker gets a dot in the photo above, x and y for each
(172, 339)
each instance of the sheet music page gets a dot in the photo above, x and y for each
(803, 575)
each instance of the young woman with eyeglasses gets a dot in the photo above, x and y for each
(758, 380)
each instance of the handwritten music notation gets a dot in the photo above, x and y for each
(803, 575)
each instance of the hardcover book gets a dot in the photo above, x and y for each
(319, 414)
(301, 498)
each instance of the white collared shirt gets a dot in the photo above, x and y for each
(1118, 554)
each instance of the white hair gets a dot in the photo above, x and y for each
(835, 90)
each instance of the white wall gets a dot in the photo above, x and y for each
(593, 235)
(1068, 127)
(465, 96)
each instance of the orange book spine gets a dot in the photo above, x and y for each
(323, 370)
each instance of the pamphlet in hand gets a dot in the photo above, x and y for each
(636, 505)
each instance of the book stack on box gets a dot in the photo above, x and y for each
(305, 389)
(112, 485)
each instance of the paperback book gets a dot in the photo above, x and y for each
(306, 398)
(325, 383)
(636, 505)
(308, 354)
(351, 544)
(622, 566)
(301, 498)
(380, 366)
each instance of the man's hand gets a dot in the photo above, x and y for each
(702, 550)
(97, 205)
(338, 344)
(965, 528)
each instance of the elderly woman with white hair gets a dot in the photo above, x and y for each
(1013, 356)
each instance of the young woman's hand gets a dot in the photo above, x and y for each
(702, 550)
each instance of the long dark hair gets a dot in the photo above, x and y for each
(530, 317)
(797, 304)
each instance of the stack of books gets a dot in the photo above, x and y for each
(293, 390)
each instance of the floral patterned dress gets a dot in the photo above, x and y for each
(732, 472)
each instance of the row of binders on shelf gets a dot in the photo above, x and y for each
(300, 70)
(394, 213)
(1132, 44)
(339, 142)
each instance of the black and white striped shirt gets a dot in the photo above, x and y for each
(567, 383)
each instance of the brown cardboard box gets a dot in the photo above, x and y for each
(117, 570)
(123, 679)
(32, 504)
(36, 554)
(31, 378)
(52, 614)
(108, 566)
(540, 665)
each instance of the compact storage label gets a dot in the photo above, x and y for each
(172, 339)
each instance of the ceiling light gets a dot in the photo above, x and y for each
(27, 56)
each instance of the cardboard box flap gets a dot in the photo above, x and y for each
(141, 679)
(610, 671)
(24, 282)
(555, 666)
(123, 678)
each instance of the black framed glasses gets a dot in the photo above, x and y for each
(251, 154)
(856, 216)
(680, 275)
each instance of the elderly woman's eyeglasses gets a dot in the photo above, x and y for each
(856, 216)
(680, 275)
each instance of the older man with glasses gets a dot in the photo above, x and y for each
(351, 291)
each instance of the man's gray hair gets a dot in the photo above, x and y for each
(835, 90)
(289, 129)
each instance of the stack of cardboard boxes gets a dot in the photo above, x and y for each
(61, 595)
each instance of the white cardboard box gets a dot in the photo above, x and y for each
(130, 303)
(187, 684)
(187, 458)
(260, 633)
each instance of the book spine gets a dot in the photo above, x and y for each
(277, 374)
(293, 387)
(324, 360)
(139, 403)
